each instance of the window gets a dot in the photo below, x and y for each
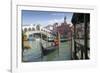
(29, 29)
(25, 29)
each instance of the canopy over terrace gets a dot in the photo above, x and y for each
(80, 17)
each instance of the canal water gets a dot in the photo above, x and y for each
(35, 54)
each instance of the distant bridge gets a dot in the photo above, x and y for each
(32, 29)
(28, 33)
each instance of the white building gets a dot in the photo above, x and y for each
(30, 29)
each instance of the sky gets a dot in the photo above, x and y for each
(44, 17)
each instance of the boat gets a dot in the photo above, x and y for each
(48, 50)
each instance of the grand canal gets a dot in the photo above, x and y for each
(35, 53)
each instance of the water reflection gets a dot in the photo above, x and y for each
(35, 53)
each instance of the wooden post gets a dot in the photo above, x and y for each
(81, 47)
(85, 37)
(58, 43)
(75, 57)
(41, 45)
(71, 40)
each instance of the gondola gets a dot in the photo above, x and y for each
(46, 51)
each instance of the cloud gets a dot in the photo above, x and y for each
(55, 20)
(58, 14)
(59, 21)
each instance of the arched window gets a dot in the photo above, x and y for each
(38, 27)
(33, 29)
(29, 29)
(25, 29)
